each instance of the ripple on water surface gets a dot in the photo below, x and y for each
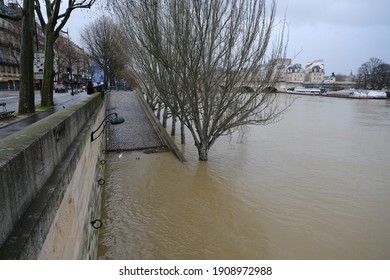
(313, 186)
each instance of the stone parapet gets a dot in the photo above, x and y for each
(48, 185)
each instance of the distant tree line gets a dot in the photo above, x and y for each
(106, 46)
(374, 74)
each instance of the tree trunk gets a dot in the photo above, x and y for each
(159, 111)
(26, 93)
(173, 128)
(48, 75)
(203, 151)
(165, 117)
(182, 132)
(105, 78)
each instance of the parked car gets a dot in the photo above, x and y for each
(60, 88)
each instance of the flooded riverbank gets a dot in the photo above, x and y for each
(313, 186)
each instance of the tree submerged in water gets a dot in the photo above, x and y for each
(201, 57)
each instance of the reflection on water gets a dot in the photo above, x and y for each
(313, 186)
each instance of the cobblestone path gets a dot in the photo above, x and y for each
(137, 132)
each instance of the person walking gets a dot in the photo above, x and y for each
(89, 88)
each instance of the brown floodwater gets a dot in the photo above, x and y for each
(315, 185)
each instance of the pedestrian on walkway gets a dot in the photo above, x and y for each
(89, 88)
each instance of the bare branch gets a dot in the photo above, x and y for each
(104, 44)
(52, 23)
(200, 55)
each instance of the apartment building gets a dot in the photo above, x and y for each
(68, 56)
(315, 72)
(9, 47)
(71, 63)
(294, 74)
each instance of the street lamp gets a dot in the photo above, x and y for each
(114, 121)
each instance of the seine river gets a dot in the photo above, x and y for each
(315, 185)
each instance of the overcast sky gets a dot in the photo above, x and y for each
(344, 33)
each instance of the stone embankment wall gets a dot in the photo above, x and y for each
(49, 190)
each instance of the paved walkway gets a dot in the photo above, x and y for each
(11, 125)
(137, 132)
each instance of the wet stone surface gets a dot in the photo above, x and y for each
(137, 132)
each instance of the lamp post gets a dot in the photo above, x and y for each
(76, 76)
(70, 68)
(114, 121)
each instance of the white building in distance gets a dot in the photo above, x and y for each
(313, 73)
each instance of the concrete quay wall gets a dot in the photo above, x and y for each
(49, 190)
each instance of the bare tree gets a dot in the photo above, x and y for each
(103, 42)
(363, 75)
(340, 77)
(51, 27)
(200, 54)
(128, 77)
(380, 77)
(374, 74)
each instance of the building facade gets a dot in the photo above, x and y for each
(294, 74)
(315, 72)
(70, 62)
(9, 47)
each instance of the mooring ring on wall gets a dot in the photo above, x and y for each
(96, 224)
(101, 182)
(102, 162)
